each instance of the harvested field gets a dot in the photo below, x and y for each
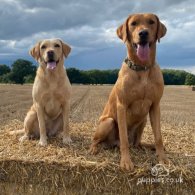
(73, 169)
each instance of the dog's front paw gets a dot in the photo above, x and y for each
(126, 164)
(163, 160)
(43, 142)
(23, 138)
(67, 140)
(93, 149)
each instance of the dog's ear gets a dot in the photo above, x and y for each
(65, 48)
(161, 29)
(122, 31)
(35, 51)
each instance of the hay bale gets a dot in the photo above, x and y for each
(72, 167)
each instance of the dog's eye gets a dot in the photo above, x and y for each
(134, 23)
(151, 22)
(43, 47)
(56, 45)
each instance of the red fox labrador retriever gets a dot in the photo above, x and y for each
(49, 114)
(137, 91)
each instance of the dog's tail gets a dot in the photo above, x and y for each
(17, 132)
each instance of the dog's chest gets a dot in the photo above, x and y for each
(139, 108)
(52, 103)
(141, 96)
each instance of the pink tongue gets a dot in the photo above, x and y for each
(51, 65)
(143, 52)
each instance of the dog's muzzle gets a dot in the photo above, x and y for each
(51, 63)
(142, 48)
(143, 36)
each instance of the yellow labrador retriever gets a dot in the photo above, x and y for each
(49, 114)
(137, 91)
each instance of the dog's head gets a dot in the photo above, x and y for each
(50, 52)
(140, 32)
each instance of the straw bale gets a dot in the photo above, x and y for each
(64, 166)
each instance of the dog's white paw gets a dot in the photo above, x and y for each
(23, 138)
(43, 142)
(67, 140)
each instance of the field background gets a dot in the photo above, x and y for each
(177, 104)
(177, 121)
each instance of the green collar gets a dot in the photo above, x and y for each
(135, 66)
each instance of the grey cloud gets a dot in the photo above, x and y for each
(23, 18)
(90, 25)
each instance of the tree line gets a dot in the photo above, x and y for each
(24, 71)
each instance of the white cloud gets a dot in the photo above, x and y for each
(181, 33)
(90, 26)
(190, 69)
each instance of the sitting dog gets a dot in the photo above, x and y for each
(49, 114)
(137, 91)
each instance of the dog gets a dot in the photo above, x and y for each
(49, 114)
(137, 91)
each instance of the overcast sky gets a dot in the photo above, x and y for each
(89, 26)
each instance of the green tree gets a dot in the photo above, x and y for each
(6, 78)
(74, 75)
(4, 69)
(29, 79)
(190, 79)
(174, 77)
(20, 69)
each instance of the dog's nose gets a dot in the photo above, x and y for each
(143, 34)
(50, 54)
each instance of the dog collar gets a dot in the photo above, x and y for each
(135, 66)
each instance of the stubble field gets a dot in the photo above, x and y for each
(72, 167)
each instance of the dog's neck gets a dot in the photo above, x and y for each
(131, 54)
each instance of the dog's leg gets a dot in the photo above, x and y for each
(155, 123)
(42, 127)
(56, 127)
(66, 129)
(29, 124)
(138, 135)
(125, 162)
(103, 130)
(112, 139)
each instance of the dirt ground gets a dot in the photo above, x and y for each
(177, 122)
(177, 104)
